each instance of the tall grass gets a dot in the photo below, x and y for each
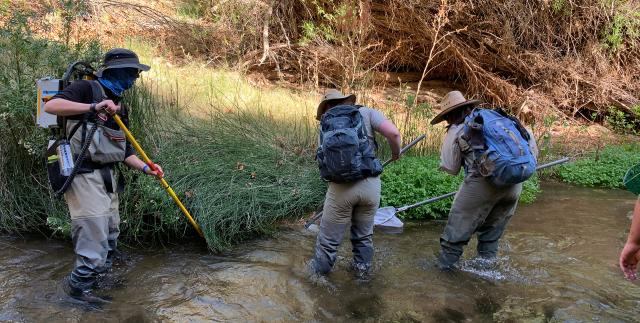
(238, 171)
(25, 201)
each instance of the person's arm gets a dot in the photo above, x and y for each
(131, 159)
(450, 152)
(391, 132)
(63, 107)
(630, 254)
(135, 162)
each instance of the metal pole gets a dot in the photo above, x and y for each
(441, 197)
(407, 147)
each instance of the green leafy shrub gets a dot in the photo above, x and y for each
(25, 201)
(560, 7)
(620, 122)
(604, 169)
(414, 179)
(530, 190)
(192, 9)
(624, 28)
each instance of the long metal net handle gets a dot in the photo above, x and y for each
(407, 147)
(441, 197)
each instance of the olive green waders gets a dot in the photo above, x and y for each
(482, 208)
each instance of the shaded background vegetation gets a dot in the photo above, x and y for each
(570, 58)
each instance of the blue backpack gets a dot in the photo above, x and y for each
(345, 153)
(500, 145)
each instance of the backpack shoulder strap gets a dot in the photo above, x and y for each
(97, 92)
(97, 95)
(473, 130)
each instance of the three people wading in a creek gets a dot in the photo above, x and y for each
(346, 155)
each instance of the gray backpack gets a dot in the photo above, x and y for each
(345, 153)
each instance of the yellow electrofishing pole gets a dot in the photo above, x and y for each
(163, 182)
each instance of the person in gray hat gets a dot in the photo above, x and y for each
(92, 197)
(479, 206)
(352, 197)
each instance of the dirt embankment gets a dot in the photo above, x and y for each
(570, 59)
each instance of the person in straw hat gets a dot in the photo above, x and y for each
(479, 206)
(354, 203)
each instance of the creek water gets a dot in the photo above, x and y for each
(557, 263)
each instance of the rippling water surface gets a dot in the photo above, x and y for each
(557, 263)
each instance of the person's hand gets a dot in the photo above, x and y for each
(158, 172)
(629, 258)
(108, 105)
(395, 157)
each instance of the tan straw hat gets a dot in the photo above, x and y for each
(451, 101)
(333, 95)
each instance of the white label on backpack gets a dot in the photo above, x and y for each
(46, 88)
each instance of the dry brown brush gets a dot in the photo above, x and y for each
(526, 55)
(568, 57)
(535, 57)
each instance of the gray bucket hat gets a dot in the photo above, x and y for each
(333, 95)
(120, 58)
(452, 101)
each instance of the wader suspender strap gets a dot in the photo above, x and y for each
(106, 177)
(98, 96)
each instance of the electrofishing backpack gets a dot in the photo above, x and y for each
(345, 153)
(61, 162)
(500, 145)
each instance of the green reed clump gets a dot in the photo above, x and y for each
(238, 172)
(242, 172)
(414, 179)
(605, 168)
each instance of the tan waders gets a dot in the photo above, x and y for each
(348, 205)
(94, 228)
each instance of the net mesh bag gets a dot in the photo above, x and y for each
(632, 179)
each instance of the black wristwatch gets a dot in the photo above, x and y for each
(92, 107)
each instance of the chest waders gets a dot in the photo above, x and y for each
(62, 166)
(61, 183)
